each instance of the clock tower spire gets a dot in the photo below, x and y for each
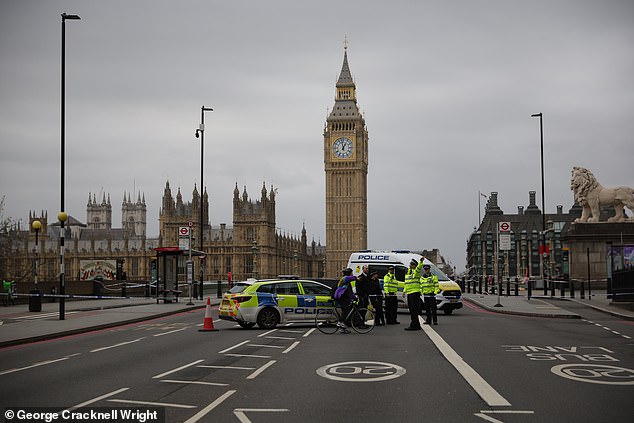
(346, 168)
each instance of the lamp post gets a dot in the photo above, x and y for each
(200, 132)
(36, 225)
(542, 249)
(62, 215)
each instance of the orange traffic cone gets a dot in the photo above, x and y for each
(208, 323)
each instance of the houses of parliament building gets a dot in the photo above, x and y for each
(250, 247)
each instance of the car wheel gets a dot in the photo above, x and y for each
(268, 318)
(448, 311)
(246, 325)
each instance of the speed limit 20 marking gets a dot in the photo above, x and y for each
(361, 371)
(595, 373)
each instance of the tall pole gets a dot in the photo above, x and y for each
(62, 214)
(201, 131)
(543, 239)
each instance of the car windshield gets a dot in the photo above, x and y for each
(238, 288)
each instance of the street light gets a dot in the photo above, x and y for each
(36, 225)
(200, 132)
(542, 249)
(254, 249)
(62, 215)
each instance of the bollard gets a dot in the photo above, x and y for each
(562, 290)
(219, 289)
(545, 286)
(479, 285)
(147, 290)
(516, 287)
(529, 288)
(572, 289)
(583, 291)
(486, 284)
(123, 290)
(552, 289)
(508, 287)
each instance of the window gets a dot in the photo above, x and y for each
(287, 288)
(311, 288)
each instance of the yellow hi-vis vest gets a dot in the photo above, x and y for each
(412, 280)
(390, 284)
(429, 284)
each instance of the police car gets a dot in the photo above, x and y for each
(448, 299)
(274, 301)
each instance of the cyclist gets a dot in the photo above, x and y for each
(345, 301)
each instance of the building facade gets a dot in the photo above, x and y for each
(525, 258)
(346, 168)
(252, 247)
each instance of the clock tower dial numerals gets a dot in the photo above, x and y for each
(342, 148)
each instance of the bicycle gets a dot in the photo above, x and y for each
(361, 319)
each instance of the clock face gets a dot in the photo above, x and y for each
(342, 147)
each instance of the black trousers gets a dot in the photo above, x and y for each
(430, 308)
(377, 303)
(391, 307)
(414, 303)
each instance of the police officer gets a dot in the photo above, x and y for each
(362, 286)
(413, 291)
(390, 286)
(429, 288)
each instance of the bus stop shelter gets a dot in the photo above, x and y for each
(171, 268)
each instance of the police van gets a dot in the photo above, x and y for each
(448, 299)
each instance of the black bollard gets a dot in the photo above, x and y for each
(572, 289)
(508, 287)
(219, 289)
(530, 288)
(583, 291)
(516, 287)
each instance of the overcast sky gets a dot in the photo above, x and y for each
(447, 88)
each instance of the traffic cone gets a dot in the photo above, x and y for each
(208, 323)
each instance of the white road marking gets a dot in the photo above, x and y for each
(240, 412)
(481, 386)
(117, 345)
(283, 338)
(177, 369)
(153, 404)
(226, 367)
(194, 382)
(266, 333)
(94, 400)
(261, 369)
(171, 331)
(234, 347)
(293, 345)
(309, 332)
(265, 346)
(488, 418)
(41, 363)
(202, 413)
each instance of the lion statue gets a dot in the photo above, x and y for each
(591, 195)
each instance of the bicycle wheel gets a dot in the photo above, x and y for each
(362, 320)
(326, 320)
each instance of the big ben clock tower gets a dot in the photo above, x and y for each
(346, 167)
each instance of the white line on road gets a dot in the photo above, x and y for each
(171, 331)
(481, 386)
(261, 369)
(154, 404)
(202, 413)
(41, 363)
(488, 418)
(283, 338)
(266, 333)
(177, 369)
(194, 382)
(309, 332)
(265, 346)
(235, 346)
(117, 345)
(293, 345)
(94, 400)
(226, 367)
(240, 412)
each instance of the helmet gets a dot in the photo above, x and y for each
(347, 271)
(413, 262)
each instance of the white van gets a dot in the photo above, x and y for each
(448, 299)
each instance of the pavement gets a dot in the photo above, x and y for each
(18, 325)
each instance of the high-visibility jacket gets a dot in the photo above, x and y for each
(429, 284)
(412, 280)
(390, 284)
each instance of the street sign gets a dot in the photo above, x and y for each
(505, 241)
(504, 226)
(183, 237)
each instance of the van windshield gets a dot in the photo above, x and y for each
(400, 272)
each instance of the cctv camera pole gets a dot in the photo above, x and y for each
(201, 131)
